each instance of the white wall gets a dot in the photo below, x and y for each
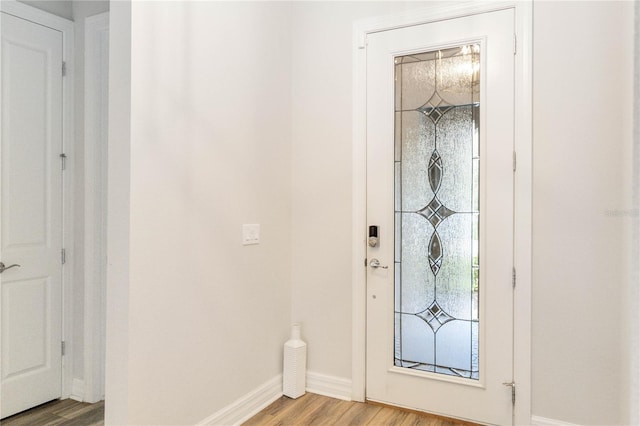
(321, 134)
(210, 150)
(582, 90)
(634, 291)
(118, 216)
(582, 151)
(241, 112)
(80, 10)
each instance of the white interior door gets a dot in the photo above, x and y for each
(31, 215)
(440, 126)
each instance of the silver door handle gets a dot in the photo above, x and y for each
(4, 268)
(375, 263)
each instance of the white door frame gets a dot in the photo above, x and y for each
(66, 27)
(96, 105)
(522, 184)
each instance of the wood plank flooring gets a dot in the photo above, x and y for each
(312, 409)
(65, 412)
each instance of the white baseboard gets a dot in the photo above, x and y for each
(334, 387)
(543, 421)
(247, 406)
(252, 403)
(77, 390)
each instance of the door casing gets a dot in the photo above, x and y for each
(66, 27)
(523, 39)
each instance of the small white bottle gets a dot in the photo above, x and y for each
(294, 370)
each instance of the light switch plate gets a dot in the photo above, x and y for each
(250, 234)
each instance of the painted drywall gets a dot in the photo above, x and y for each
(209, 150)
(118, 217)
(321, 198)
(581, 172)
(197, 170)
(581, 196)
(80, 11)
(62, 8)
(634, 291)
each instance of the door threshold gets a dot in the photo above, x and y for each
(454, 420)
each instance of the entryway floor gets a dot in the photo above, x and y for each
(312, 409)
(309, 409)
(62, 412)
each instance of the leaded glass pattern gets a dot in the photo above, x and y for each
(437, 211)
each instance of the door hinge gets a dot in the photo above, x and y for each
(64, 68)
(63, 348)
(63, 159)
(514, 161)
(513, 390)
(513, 278)
(365, 261)
(63, 256)
(515, 44)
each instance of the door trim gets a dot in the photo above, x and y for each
(66, 27)
(522, 184)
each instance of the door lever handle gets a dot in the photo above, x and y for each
(375, 263)
(4, 268)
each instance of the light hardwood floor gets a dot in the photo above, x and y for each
(312, 409)
(65, 412)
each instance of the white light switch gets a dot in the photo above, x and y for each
(250, 234)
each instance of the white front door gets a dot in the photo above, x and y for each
(440, 135)
(30, 215)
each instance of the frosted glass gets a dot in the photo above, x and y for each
(398, 88)
(455, 80)
(418, 84)
(455, 131)
(475, 283)
(418, 283)
(398, 137)
(398, 186)
(437, 193)
(453, 345)
(475, 112)
(397, 288)
(454, 279)
(417, 341)
(397, 350)
(475, 191)
(418, 136)
(398, 231)
(474, 350)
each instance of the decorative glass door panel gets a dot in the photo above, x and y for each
(440, 126)
(437, 111)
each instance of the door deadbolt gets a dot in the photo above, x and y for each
(373, 236)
